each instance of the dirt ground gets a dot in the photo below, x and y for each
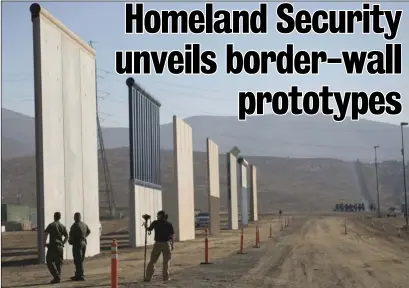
(313, 251)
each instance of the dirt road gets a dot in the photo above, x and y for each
(311, 252)
(321, 255)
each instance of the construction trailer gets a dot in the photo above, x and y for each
(16, 213)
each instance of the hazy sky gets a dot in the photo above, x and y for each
(187, 95)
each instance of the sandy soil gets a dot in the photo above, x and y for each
(313, 251)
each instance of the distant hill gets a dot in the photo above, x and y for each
(390, 177)
(11, 148)
(17, 134)
(283, 182)
(295, 136)
(268, 135)
(298, 185)
(289, 184)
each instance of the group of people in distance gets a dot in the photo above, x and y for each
(352, 207)
(77, 237)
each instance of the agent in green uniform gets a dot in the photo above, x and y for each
(78, 239)
(54, 257)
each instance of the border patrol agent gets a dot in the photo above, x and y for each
(164, 239)
(55, 252)
(79, 232)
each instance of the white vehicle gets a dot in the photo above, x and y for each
(391, 212)
(202, 219)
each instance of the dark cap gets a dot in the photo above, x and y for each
(161, 213)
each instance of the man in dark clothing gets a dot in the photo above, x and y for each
(78, 239)
(164, 239)
(54, 257)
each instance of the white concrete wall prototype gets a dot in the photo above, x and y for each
(232, 193)
(142, 200)
(244, 191)
(214, 186)
(66, 140)
(179, 202)
(253, 194)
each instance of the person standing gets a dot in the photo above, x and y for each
(79, 232)
(164, 239)
(55, 251)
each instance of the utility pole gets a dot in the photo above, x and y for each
(108, 189)
(404, 174)
(377, 181)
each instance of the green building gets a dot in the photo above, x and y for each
(16, 213)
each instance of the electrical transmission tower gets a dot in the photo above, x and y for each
(108, 187)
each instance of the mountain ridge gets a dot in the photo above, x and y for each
(276, 136)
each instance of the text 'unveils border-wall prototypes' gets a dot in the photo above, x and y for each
(65, 128)
(145, 191)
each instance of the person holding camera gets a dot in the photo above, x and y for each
(164, 239)
(55, 252)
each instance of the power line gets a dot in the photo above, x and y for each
(207, 112)
(108, 185)
(177, 93)
(170, 84)
(107, 96)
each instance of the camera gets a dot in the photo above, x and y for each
(146, 217)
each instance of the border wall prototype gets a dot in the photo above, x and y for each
(179, 201)
(145, 191)
(232, 203)
(253, 194)
(65, 128)
(214, 186)
(244, 205)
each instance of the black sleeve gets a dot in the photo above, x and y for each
(152, 226)
(71, 231)
(88, 231)
(172, 231)
(48, 229)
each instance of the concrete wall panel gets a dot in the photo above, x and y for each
(244, 211)
(244, 172)
(52, 196)
(72, 149)
(253, 194)
(214, 186)
(65, 110)
(89, 151)
(143, 200)
(179, 203)
(232, 192)
(133, 211)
